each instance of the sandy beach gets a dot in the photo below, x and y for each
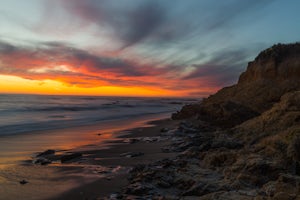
(111, 158)
(100, 171)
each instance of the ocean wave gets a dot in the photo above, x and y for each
(15, 129)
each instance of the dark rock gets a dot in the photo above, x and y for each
(138, 189)
(163, 130)
(186, 127)
(205, 146)
(191, 152)
(150, 139)
(187, 111)
(131, 140)
(46, 153)
(226, 114)
(68, 157)
(42, 161)
(23, 182)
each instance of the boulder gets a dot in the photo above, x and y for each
(23, 182)
(69, 157)
(46, 153)
(42, 161)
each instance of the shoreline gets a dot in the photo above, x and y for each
(89, 173)
(15, 148)
(114, 182)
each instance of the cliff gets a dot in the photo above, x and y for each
(273, 73)
(257, 155)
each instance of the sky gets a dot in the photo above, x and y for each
(136, 47)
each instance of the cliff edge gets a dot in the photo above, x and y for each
(273, 73)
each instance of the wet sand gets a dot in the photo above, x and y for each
(111, 158)
(85, 178)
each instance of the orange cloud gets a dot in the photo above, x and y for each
(55, 68)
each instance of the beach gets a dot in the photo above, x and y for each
(113, 183)
(100, 171)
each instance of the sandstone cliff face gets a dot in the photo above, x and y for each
(278, 63)
(273, 73)
(283, 118)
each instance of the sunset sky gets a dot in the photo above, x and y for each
(136, 47)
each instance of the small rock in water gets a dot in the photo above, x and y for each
(42, 161)
(69, 157)
(23, 182)
(47, 152)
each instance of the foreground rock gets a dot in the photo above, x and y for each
(213, 165)
(49, 156)
(23, 182)
(46, 153)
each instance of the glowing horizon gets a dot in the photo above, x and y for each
(17, 85)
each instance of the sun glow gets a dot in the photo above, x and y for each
(14, 84)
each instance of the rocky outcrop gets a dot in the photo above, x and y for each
(273, 73)
(49, 156)
(280, 62)
(256, 155)
(212, 165)
(283, 117)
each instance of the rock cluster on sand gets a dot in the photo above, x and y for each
(49, 156)
(241, 143)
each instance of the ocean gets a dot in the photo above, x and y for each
(21, 114)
